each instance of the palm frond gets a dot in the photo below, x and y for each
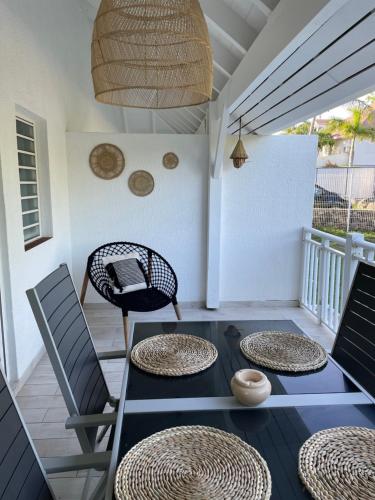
(357, 116)
(365, 133)
(335, 124)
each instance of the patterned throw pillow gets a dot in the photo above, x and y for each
(126, 273)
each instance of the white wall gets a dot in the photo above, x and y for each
(364, 153)
(171, 220)
(45, 68)
(265, 205)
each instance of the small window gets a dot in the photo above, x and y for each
(28, 174)
(33, 170)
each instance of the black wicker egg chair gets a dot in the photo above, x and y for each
(162, 281)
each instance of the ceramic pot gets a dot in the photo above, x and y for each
(250, 387)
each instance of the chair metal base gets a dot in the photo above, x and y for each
(84, 288)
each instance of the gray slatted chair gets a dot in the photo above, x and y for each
(354, 348)
(22, 472)
(69, 345)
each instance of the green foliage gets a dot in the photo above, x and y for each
(325, 138)
(300, 129)
(358, 126)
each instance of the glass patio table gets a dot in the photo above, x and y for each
(299, 405)
(214, 382)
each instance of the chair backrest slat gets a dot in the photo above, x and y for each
(354, 348)
(21, 475)
(66, 336)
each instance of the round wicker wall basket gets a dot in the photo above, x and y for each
(141, 183)
(151, 54)
(170, 161)
(107, 161)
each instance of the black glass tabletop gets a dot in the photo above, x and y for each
(215, 381)
(277, 434)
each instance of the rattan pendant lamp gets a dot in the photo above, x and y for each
(151, 54)
(239, 154)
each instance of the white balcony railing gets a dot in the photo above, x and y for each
(328, 266)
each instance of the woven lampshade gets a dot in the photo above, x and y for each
(151, 54)
(239, 155)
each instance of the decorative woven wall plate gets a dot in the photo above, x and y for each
(170, 160)
(283, 351)
(107, 161)
(174, 354)
(339, 463)
(193, 462)
(141, 183)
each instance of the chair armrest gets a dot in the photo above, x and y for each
(98, 461)
(111, 355)
(96, 420)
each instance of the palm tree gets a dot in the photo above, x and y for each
(306, 128)
(357, 127)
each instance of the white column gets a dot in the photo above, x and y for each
(214, 242)
(218, 122)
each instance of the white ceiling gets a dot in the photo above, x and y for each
(233, 26)
(255, 13)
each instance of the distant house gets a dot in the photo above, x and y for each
(364, 153)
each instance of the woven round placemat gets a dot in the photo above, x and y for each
(174, 354)
(283, 351)
(339, 463)
(191, 463)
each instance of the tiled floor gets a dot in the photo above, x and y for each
(44, 409)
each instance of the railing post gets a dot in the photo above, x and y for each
(370, 255)
(306, 236)
(323, 285)
(350, 264)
